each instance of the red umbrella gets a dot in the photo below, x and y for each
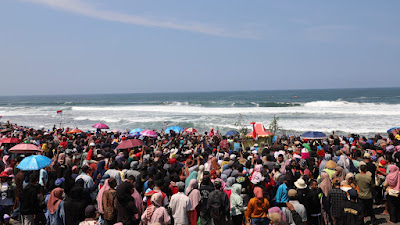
(74, 131)
(191, 130)
(10, 140)
(25, 148)
(130, 143)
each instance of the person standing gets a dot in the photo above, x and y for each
(336, 197)
(351, 211)
(257, 209)
(366, 186)
(29, 200)
(393, 185)
(218, 205)
(180, 206)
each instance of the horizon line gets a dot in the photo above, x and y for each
(179, 92)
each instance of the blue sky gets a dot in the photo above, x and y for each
(124, 46)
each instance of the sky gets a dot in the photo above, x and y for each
(50, 47)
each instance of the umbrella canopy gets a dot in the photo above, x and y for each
(10, 140)
(176, 129)
(100, 126)
(25, 148)
(137, 130)
(5, 130)
(313, 135)
(393, 128)
(34, 162)
(130, 143)
(74, 131)
(148, 133)
(191, 130)
(232, 133)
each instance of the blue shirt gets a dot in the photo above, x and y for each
(282, 194)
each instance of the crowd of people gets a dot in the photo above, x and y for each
(204, 179)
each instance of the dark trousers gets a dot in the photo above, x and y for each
(367, 208)
(237, 220)
(394, 208)
(314, 220)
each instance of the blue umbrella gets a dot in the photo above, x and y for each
(34, 162)
(313, 135)
(232, 133)
(137, 130)
(176, 129)
(393, 128)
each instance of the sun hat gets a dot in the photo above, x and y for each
(300, 184)
(330, 164)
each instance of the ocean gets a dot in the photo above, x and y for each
(362, 111)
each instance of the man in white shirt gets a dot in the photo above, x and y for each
(299, 208)
(180, 206)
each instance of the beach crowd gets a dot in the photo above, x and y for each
(187, 178)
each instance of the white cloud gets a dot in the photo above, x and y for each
(82, 8)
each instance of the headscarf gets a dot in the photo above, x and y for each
(229, 183)
(326, 183)
(99, 197)
(327, 157)
(341, 174)
(214, 164)
(54, 200)
(200, 174)
(344, 162)
(258, 193)
(156, 201)
(5, 161)
(277, 210)
(192, 176)
(193, 194)
(393, 178)
(256, 177)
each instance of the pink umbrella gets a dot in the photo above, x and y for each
(130, 143)
(100, 126)
(148, 133)
(10, 140)
(25, 148)
(191, 130)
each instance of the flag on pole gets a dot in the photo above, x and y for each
(59, 112)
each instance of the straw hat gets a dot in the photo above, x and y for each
(330, 165)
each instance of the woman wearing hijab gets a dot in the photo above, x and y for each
(214, 164)
(192, 176)
(340, 174)
(326, 186)
(194, 196)
(236, 201)
(327, 157)
(74, 206)
(256, 176)
(277, 210)
(393, 186)
(200, 174)
(55, 205)
(228, 186)
(349, 183)
(126, 203)
(257, 209)
(156, 213)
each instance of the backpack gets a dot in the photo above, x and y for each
(216, 206)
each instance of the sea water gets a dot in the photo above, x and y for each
(363, 111)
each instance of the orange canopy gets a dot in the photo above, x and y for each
(260, 131)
